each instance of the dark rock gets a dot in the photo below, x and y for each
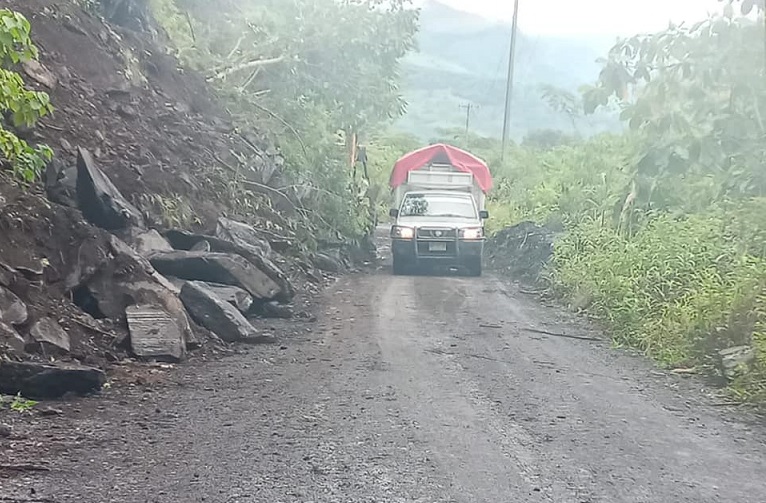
(5, 431)
(225, 268)
(522, 250)
(277, 310)
(50, 412)
(129, 279)
(49, 335)
(40, 381)
(61, 183)
(37, 72)
(235, 296)
(7, 275)
(182, 240)
(146, 242)
(201, 246)
(736, 360)
(155, 334)
(12, 310)
(100, 201)
(10, 340)
(243, 236)
(327, 263)
(215, 314)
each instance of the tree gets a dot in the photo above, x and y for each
(303, 70)
(19, 106)
(699, 101)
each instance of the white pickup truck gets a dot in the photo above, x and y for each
(439, 210)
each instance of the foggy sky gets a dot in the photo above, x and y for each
(597, 17)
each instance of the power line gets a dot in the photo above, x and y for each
(509, 90)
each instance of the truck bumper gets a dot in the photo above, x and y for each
(420, 252)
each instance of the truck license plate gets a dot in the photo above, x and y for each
(437, 247)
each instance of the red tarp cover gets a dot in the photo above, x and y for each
(442, 154)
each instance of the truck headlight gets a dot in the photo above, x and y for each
(399, 232)
(472, 233)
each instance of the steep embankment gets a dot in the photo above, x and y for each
(141, 147)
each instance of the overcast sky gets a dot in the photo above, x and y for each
(619, 17)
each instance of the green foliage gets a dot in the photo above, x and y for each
(19, 106)
(18, 404)
(305, 71)
(699, 101)
(666, 239)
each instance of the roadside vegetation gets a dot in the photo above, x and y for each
(664, 226)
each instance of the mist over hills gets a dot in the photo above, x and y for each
(463, 59)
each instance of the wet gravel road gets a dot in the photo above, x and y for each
(407, 389)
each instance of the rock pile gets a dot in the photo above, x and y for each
(155, 289)
(522, 251)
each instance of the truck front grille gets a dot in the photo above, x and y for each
(437, 233)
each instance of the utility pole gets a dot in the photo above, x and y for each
(509, 89)
(468, 107)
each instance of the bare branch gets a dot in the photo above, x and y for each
(246, 66)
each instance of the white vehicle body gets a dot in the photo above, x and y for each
(439, 218)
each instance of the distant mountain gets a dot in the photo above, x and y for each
(463, 58)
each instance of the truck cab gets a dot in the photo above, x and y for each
(438, 227)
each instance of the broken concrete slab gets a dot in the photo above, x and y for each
(215, 314)
(48, 334)
(225, 268)
(100, 201)
(41, 381)
(155, 334)
(13, 311)
(182, 240)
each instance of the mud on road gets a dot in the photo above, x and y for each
(407, 389)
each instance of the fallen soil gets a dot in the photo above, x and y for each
(406, 389)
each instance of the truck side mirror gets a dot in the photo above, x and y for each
(393, 213)
(484, 214)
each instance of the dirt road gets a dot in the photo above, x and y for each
(407, 389)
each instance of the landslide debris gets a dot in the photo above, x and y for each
(138, 206)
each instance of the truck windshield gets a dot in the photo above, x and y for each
(437, 205)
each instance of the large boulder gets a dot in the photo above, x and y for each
(100, 201)
(12, 310)
(130, 280)
(225, 268)
(215, 314)
(182, 240)
(47, 334)
(40, 381)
